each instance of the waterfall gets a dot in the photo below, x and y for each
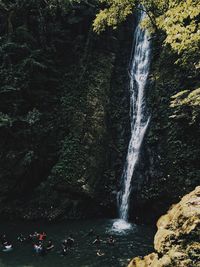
(139, 70)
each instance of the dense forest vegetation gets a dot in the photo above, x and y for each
(64, 106)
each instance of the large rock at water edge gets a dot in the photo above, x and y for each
(177, 241)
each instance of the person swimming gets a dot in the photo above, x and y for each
(50, 245)
(7, 246)
(97, 241)
(64, 247)
(32, 237)
(100, 253)
(21, 238)
(39, 248)
(111, 241)
(42, 236)
(70, 241)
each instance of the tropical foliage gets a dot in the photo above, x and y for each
(178, 19)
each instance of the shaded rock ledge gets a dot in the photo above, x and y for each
(177, 241)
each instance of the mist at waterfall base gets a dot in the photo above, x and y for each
(84, 254)
(139, 70)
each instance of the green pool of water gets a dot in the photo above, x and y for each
(135, 242)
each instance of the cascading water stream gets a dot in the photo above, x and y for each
(139, 70)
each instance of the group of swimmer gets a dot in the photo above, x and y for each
(42, 246)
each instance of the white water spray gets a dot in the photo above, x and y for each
(139, 71)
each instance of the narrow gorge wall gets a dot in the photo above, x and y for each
(64, 113)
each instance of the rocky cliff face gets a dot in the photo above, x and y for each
(64, 116)
(177, 240)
